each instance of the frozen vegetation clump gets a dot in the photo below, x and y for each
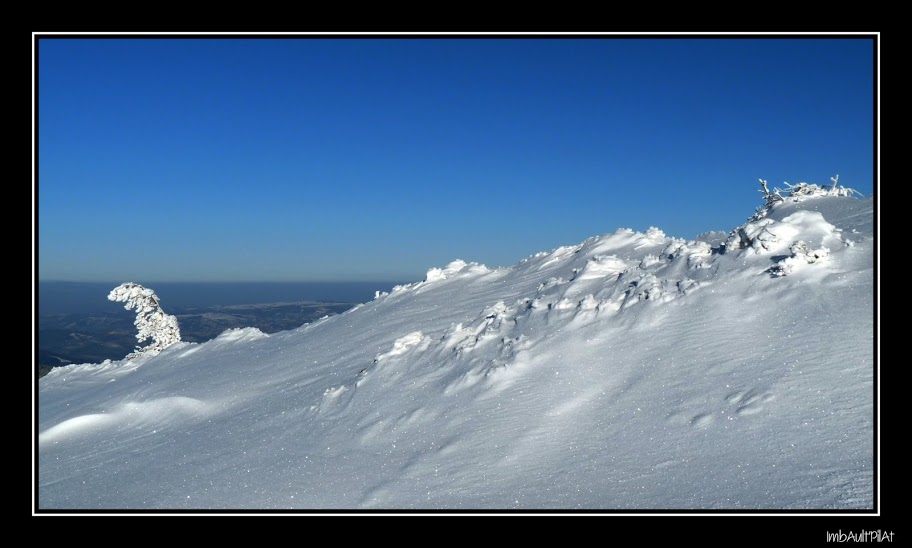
(801, 254)
(797, 192)
(757, 232)
(151, 320)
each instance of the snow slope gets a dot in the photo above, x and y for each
(633, 370)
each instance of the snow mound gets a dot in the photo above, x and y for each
(402, 345)
(240, 334)
(128, 416)
(602, 266)
(454, 268)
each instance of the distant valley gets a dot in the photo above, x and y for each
(93, 337)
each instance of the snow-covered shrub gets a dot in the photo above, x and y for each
(801, 255)
(755, 233)
(769, 197)
(796, 192)
(151, 320)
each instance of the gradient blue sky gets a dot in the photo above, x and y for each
(375, 159)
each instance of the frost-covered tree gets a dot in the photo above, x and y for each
(151, 320)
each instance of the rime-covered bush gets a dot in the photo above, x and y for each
(151, 320)
(801, 254)
(796, 192)
(755, 233)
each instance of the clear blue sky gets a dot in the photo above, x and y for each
(375, 159)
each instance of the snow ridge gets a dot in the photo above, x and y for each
(633, 370)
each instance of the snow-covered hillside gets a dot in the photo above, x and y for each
(633, 370)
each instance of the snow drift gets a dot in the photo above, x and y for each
(634, 370)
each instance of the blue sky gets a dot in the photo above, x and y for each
(375, 159)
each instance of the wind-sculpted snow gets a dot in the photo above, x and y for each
(129, 415)
(634, 370)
